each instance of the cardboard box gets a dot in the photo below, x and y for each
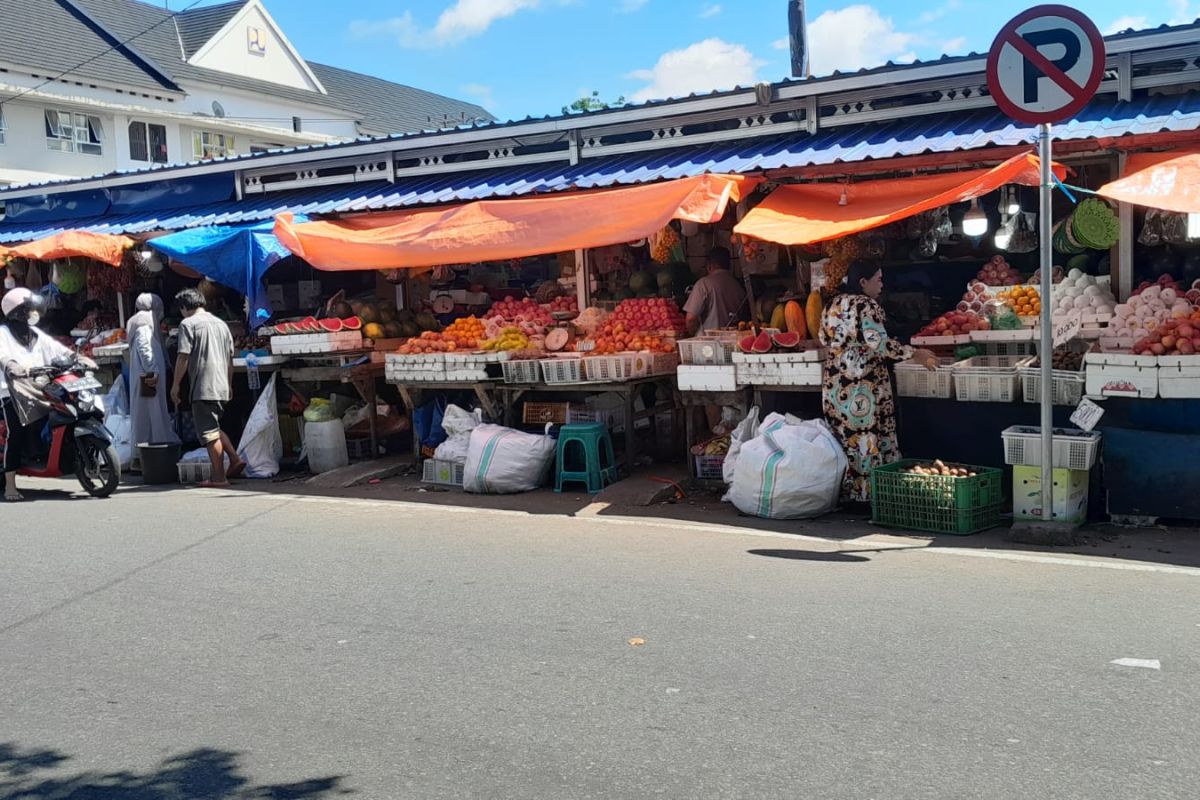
(1070, 494)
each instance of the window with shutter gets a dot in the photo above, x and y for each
(139, 146)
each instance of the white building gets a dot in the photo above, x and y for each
(89, 87)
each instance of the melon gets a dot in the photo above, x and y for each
(786, 341)
(373, 330)
(392, 330)
(340, 310)
(778, 320)
(665, 278)
(368, 313)
(352, 324)
(746, 343)
(330, 325)
(812, 313)
(762, 343)
(795, 319)
(557, 339)
(642, 281)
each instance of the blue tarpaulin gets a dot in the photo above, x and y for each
(237, 256)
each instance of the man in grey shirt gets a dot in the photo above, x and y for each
(206, 355)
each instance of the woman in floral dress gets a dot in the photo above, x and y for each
(857, 397)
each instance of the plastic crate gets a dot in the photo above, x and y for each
(935, 503)
(440, 472)
(1066, 387)
(525, 371)
(563, 370)
(358, 449)
(614, 418)
(1008, 348)
(542, 413)
(1072, 449)
(710, 468)
(194, 471)
(987, 379)
(914, 380)
(617, 368)
(662, 363)
(706, 351)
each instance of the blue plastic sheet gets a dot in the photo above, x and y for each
(237, 256)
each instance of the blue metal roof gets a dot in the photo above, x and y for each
(830, 146)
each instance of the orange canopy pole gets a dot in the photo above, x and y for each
(103, 247)
(498, 230)
(1169, 181)
(812, 213)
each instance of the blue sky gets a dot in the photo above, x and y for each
(530, 57)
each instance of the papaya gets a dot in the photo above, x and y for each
(795, 319)
(778, 319)
(813, 312)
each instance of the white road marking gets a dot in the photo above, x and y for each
(1140, 663)
(863, 544)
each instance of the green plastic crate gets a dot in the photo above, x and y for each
(934, 503)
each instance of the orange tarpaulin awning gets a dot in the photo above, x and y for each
(812, 213)
(1170, 181)
(103, 247)
(497, 230)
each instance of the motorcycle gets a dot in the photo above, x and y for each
(64, 395)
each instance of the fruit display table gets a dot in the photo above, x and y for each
(361, 376)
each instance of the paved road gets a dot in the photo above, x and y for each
(192, 645)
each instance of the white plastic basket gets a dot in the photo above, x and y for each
(1021, 349)
(1066, 387)
(1072, 449)
(563, 370)
(442, 473)
(525, 371)
(705, 351)
(914, 380)
(194, 471)
(987, 379)
(618, 367)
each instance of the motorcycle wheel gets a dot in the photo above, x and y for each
(98, 467)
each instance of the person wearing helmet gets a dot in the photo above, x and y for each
(22, 348)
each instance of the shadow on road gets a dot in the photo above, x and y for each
(810, 555)
(26, 774)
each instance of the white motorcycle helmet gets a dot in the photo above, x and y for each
(23, 305)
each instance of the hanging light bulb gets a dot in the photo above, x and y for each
(1014, 203)
(1193, 226)
(1003, 237)
(975, 222)
(845, 198)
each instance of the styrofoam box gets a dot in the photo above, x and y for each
(693, 378)
(935, 341)
(1121, 375)
(795, 374)
(1023, 335)
(1179, 376)
(812, 355)
(316, 342)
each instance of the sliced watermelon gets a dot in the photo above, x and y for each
(330, 325)
(351, 324)
(285, 328)
(310, 325)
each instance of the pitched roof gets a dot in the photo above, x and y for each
(196, 26)
(36, 31)
(393, 107)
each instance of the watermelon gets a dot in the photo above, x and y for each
(786, 341)
(665, 278)
(642, 282)
(330, 325)
(762, 344)
(351, 324)
(746, 343)
(309, 324)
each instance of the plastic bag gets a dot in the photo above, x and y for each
(319, 410)
(791, 470)
(746, 430)
(118, 422)
(262, 445)
(503, 461)
(458, 424)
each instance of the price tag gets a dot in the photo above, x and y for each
(1087, 415)
(1067, 329)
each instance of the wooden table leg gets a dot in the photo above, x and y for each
(485, 402)
(630, 439)
(410, 404)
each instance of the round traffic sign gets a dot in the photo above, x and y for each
(1046, 64)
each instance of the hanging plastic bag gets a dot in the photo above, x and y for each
(458, 424)
(746, 430)
(262, 445)
(791, 470)
(504, 461)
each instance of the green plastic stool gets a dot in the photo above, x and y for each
(593, 442)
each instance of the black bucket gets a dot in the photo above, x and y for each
(158, 463)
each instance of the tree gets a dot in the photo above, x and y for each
(591, 102)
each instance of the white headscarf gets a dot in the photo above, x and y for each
(149, 312)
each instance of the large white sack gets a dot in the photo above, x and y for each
(746, 430)
(262, 444)
(458, 424)
(791, 470)
(503, 461)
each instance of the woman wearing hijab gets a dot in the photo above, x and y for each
(150, 422)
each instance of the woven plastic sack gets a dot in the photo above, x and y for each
(791, 470)
(505, 461)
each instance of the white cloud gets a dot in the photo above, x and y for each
(630, 6)
(480, 93)
(855, 37)
(462, 20)
(933, 15)
(710, 10)
(954, 46)
(1183, 13)
(702, 67)
(782, 44)
(1125, 23)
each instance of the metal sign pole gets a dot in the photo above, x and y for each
(1046, 225)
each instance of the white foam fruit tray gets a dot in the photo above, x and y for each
(304, 343)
